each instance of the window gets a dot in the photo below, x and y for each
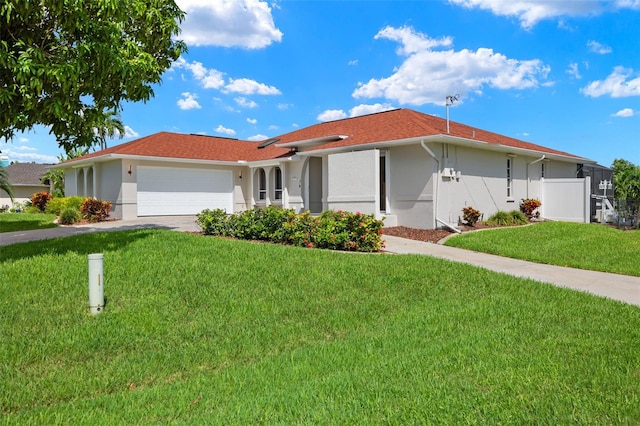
(542, 170)
(278, 184)
(262, 185)
(509, 194)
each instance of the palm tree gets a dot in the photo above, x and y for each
(109, 126)
(4, 183)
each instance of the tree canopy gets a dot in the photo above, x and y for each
(70, 64)
(626, 179)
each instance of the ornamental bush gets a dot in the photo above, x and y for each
(95, 210)
(40, 200)
(529, 206)
(335, 230)
(502, 218)
(470, 215)
(69, 216)
(57, 204)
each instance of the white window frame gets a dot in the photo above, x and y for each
(277, 176)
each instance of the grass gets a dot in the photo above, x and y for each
(207, 330)
(10, 222)
(578, 245)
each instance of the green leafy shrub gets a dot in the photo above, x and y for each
(518, 218)
(336, 230)
(69, 216)
(470, 215)
(95, 210)
(57, 204)
(528, 207)
(502, 218)
(40, 200)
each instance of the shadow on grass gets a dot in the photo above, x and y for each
(82, 244)
(25, 225)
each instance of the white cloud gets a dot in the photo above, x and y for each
(618, 84)
(27, 148)
(599, 48)
(245, 103)
(365, 109)
(228, 23)
(252, 120)
(189, 101)
(573, 70)
(331, 115)
(210, 78)
(624, 113)
(283, 106)
(410, 40)
(530, 12)
(28, 157)
(130, 133)
(224, 130)
(258, 137)
(23, 140)
(427, 76)
(273, 127)
(246, 86)
(353, 62)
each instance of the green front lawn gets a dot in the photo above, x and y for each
(10, 222)
(208, 330)
(579, 245)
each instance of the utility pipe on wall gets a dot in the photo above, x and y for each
(96, 283)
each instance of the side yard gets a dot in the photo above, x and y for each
(586, 246)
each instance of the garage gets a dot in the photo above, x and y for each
(168, 191)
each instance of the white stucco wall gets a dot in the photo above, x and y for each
(483, 180)
(21, 193)
(352, 181)
(410, 186)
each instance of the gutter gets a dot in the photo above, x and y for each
(438, 220)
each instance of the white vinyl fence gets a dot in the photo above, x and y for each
(566, 199)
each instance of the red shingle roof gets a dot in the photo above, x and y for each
(379, 127)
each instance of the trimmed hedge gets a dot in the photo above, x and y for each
(335, 230)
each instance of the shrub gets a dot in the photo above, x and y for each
(528, 207)
(57, 205)
(40, 200)
(336, 230)
(470, 215)
(518, 218)
(502, 218)
(95, 210)
(69, 216)
(213, 222)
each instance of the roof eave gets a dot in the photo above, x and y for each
(110, 157)
(454, 140)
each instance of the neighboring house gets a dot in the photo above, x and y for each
(402, 165)
(25, 180)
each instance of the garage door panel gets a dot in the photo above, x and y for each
(182, 191)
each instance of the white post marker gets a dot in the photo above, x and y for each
(96, 283)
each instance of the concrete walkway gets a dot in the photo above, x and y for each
(623, 288)
(618, 287)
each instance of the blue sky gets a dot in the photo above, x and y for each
(563, 74)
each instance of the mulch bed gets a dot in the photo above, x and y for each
(428, 235)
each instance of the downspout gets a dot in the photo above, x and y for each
(435, 198)
(528, 165)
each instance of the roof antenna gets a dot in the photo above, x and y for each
(450, 99)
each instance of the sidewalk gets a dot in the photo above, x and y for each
(623, 288)
(618, 287)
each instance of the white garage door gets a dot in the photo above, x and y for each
(165, 191)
